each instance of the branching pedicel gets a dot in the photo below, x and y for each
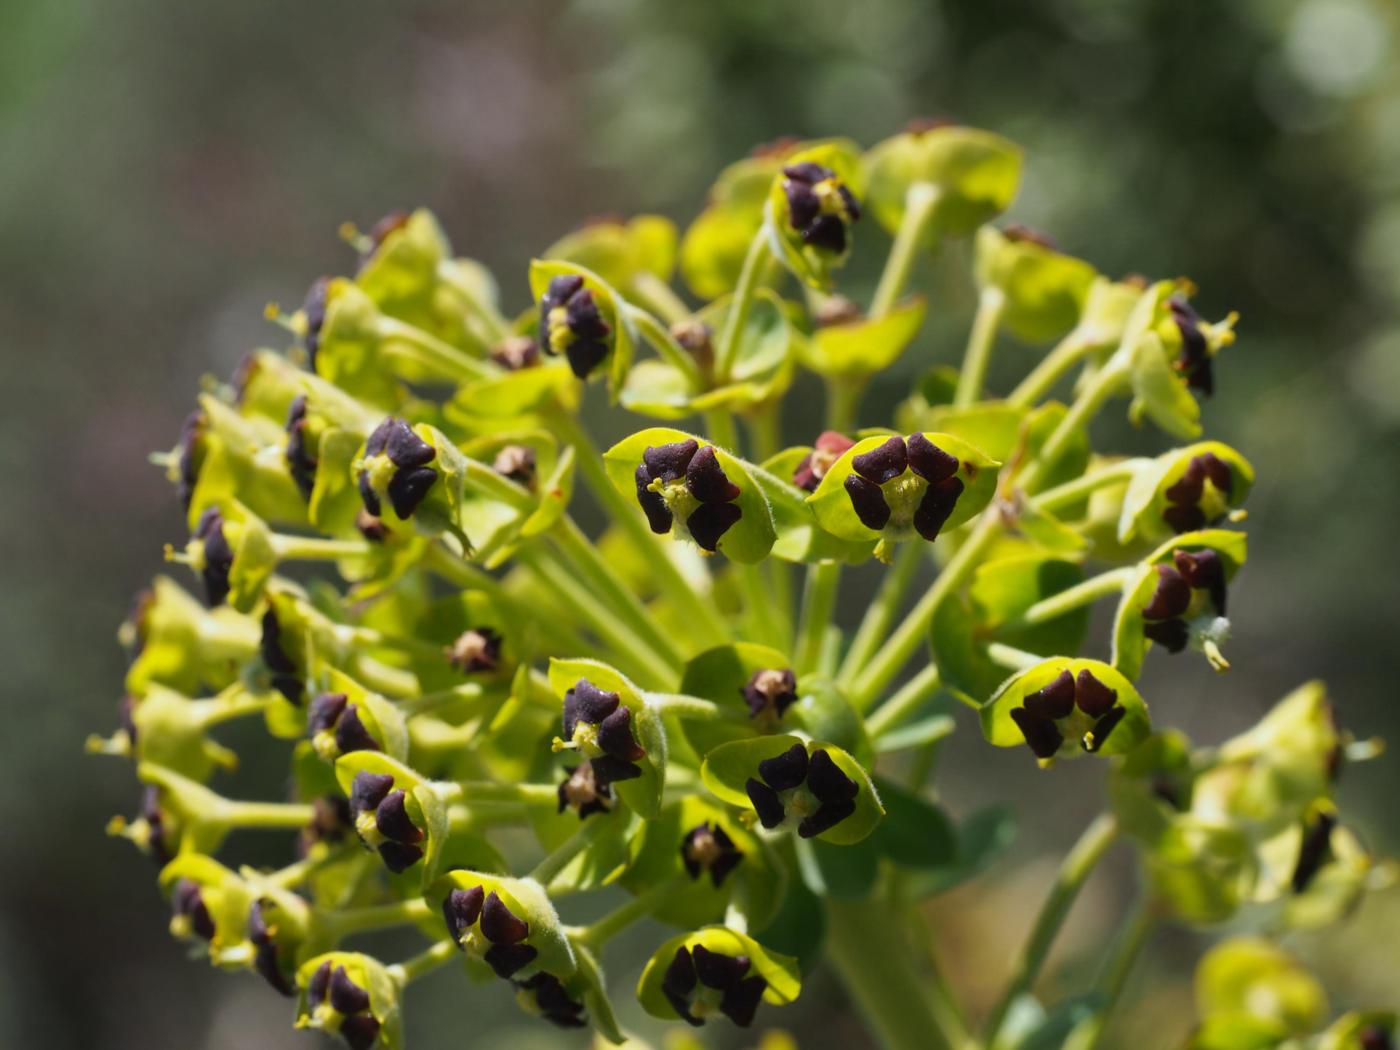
(651, 705)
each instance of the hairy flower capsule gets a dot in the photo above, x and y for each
(396, 467)
(820, 206)
(381, 820)
(597, 723)
(1044, 713)
(699, 981)
(798, 784)
(829, 447)
(708, 848)
(571, 324)
(683, 480)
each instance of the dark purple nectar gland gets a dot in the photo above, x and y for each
(285, 676)
(268, 959)
(301, 461)
(769, 693)
(708, 848)
(581, 791)
(338, 1004)
(820, 206)
(830, 446)
(396, 464)
(1314, 851)
(905, 482)
(212, 555)
(483, 925)
(683, 480)
(370, 527)
(597, 724)
(381, 820)
(476, 651)
(571, 324)
(1175, 601)
(1193, 362)
(189, 456)
(190, 916)
(1201, 496)
(336, 728)
(516, 462)
(1081, 706)
(313, 310)
(544, 995)
(812, 788)
(699, 982)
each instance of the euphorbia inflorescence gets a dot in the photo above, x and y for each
(491, 711)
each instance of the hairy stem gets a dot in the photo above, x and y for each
(920, 200)
(818, 602)
(980, 341)
(755, 264)
(1067, 353)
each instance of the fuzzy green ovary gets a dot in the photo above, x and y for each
(367, 826)
(381, 470)
(678, 498)
(903, 496)
(829, 198)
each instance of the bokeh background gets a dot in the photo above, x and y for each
(166, 168)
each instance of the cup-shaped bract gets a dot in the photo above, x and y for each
(1041, 291)
(715, 970)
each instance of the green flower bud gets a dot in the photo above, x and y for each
(715, 970)
(351, 995)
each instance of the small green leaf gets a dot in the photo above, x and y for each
(865, 346)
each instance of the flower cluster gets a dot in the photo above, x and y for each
(491, 712)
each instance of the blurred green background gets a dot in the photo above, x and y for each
(166, 168)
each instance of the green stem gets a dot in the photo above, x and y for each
(659, 296)
(843, 397)
(667, 348)
(228, 706)
(425, 962)
(911, 633)
(755, 262)
(1068, 352)
(980, 341)
(497, 328)
(577, 548)
(1010, 657)
(430, 702)
(637, 658)
(1079, 862)
(684, 706)
(1087, 1034)
(699, 612)
(874, 963)
(430, 351)
(818, 602)
(340, 924)
(600, 931)
(1104, 585)
(1109, 380)
(911, 696)
(482, 477)
(265, 814)
(470, 792)
(920, 201)
(1071, 492)
(562, 856)
(880, 615)
(316, 548)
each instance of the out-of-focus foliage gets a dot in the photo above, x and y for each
(164, 168)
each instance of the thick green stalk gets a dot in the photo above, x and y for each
(920, 201)
(667, 348)
(1104, 585)
(866, 945)
(818, 602)
(1078, 864)
(1109, 380)
(911, 696)
(657, 295)
(842, 403)
(1071, 492)
(424, 963)
(973, 376)
(600, 931)
(1143, 923)
(443, 358)
(1067, 353)
(755, 263)
(880, 615)
(912, 632)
